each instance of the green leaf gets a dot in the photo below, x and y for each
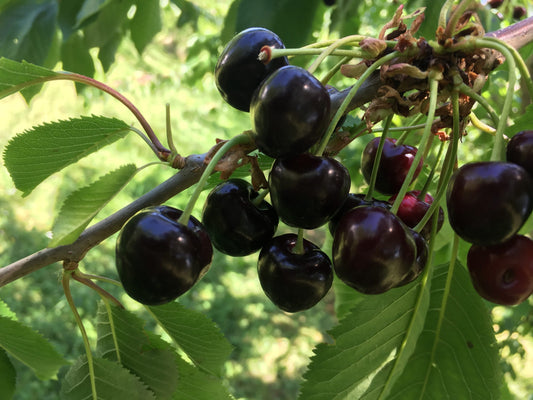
(5, 311)
(81, 206)
(196, 385)
(16, 75)
(66, 18)
(89, 9)
(145, 23)
(289, 19)
(27, 30)
(76, 57)
(8, 376)
(195, 334)
(106, 53)
(121, 336)
(109, 21)
(378, 330)
(34, 155)
(30, 348)
(456, 356)
(112, 382)
(522, 123)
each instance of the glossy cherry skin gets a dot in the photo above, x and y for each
(237, 226)
(393, 166)
(519, 150)
(412, 210)
(503, 273)
(488, 202)
(159, 259)
(294, 282)
(421, 259)
(354, 200)
(307, 190)
(373, 251)
(289, 112)
(239, 73)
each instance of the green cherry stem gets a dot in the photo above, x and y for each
(377, 159)
(498, 147)
(429, 179)
(467, 90)
(346, 102)
(408, 130)
(434, 77)
(448, 164)
(299, 246)
(65, 281)
(243, 138)
(260, 197)
(77, 276)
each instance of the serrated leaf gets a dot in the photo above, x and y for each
(15, 75)
(8, 376)
(456, 356)
(110, 19)
(196, 385)
(145, 23)
(76, 57)
(121, 336)
(30, 348)
(88, 9)
(34, 155)
(379, 329)
(195, 334)
(112, 382)
(81, 206)
(5, 311)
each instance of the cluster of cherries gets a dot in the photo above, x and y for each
(488, 202)
(374, 250)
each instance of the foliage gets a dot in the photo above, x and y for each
(437, 326)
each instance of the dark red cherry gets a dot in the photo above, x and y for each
(159, 259)
(239, 73)
(503, 273)
(488, 202)
(307, 190)
(289, 112)
(520, 150)
(494, 3)
(519, 12)
(393, 167)
(292, 281)
(421, 259)
(354, 200)
(236, 225)
(373, 251)
(412, 210)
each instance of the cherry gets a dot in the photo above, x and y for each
(372, 250)
(354, 200)
(236, 225)
(393, 167)
(289, 112)
(159, 259)
(307, 190)
(503, 273)
(520, 150)
(238, 72)
(292, 281)
(489, 201)
(494, 3)
(519, 12)
(412, 210)
(420, 261)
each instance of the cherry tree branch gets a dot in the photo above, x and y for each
(100, 231)
(517, 35)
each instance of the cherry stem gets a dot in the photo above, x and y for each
(243, 138)
(456, 15)
(335, 47)
(170, 139)
(434, 78)
(498, 147)
(467, 90)
(406, 131)
(334, 70)
(448, 165)
(163, 152)
(260, 197)
(67, 274)
(481, 125)
(377, 159)
(425, 188)
(299, 246)
(346, 102)
(82, 278)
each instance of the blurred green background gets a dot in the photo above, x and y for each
(272, 348)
